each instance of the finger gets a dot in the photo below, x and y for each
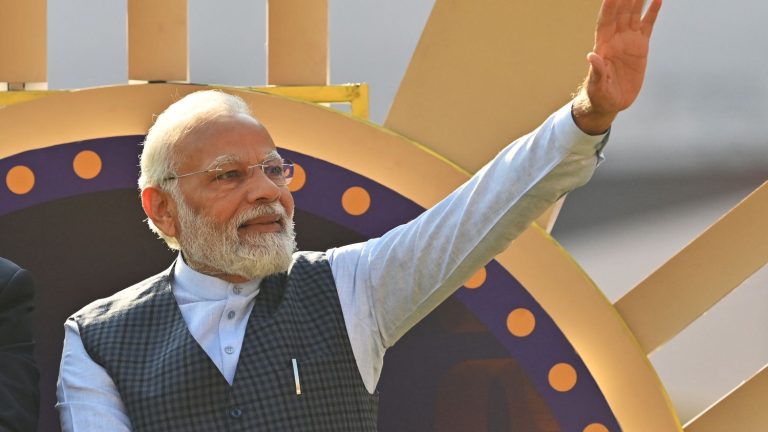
(624, 14)
(650, 17)
(637, 7)
(606, 22)
(636, 15)
(607, 15)
(623, 21)
(597, 64)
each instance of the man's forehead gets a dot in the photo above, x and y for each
(226, 139)
(238, 127)
(238, 158)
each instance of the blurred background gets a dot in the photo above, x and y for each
(694, 144)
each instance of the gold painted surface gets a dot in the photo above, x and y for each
(701, 274)
(157, 40)
(297, 42)
(547, 219)
(360, 102)
(84, 114)
(354, 94)
(742, 410)
(14, 97)
(597, 332)
(324, 133)
(579, 309)
(23, 40)
(488, 71)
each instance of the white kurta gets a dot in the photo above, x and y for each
(463, 232)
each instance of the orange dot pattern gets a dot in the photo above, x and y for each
(356, 201)
(87, 164)
(299, 178)
(521, 322)
(477, 280)
(562, 377)
(596, 427)
(20, 180)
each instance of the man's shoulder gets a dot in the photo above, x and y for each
(16, 289)
(309, 268)
(309, 257)
(307, 263)
(125, 300)
(10, 271)
(8, 267)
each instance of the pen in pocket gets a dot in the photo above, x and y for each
(296, 375)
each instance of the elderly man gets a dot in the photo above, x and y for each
(241, 333)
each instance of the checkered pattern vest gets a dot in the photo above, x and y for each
(168, 383)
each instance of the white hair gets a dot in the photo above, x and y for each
(159, 158)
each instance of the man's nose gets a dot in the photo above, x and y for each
(260, 188)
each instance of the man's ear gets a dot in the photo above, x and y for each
(160, 209)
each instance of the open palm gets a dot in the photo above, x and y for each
(619, 58)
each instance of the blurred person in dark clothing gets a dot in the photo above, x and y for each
(19, 393)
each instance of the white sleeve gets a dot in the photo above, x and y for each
(87, 397)
(387, 285)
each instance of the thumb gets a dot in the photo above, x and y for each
(597, 72)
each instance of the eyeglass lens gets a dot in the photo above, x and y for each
(279, 171)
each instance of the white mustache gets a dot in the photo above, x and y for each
(273, 208)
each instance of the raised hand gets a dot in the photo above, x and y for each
(617, 62)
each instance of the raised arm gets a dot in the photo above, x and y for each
(617, 63)
(387, 285)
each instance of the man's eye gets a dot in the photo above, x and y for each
(273, 170)
(231, 174)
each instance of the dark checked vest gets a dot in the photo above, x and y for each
(168, 383)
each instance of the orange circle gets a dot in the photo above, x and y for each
(596, 427)
(477, 279)
(356, 200)
(87, 164)
(20, 180)
(562, 377)
(299, 178)
(521, 322)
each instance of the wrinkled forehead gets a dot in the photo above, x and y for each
(232, 158)
(238, 137)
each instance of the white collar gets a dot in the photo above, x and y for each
(190, 285)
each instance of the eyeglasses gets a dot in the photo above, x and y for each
(231, 175)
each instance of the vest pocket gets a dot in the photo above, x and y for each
(266, 399)
(326, 385)
(331, 388)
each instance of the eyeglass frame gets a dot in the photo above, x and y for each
(249, 168)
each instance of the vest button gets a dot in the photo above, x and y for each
(236, 412)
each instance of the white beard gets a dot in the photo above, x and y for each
(219, 250)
